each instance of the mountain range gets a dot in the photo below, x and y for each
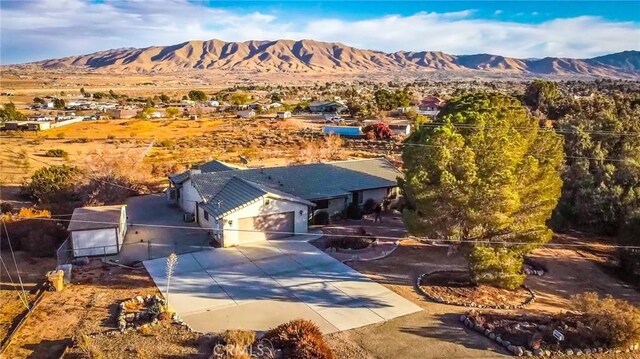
(315, 57)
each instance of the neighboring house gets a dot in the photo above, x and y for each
(123, 113)
(246, 114)
(283, 114)
(97, 231)
(430, 106)
(245, 205)
(214, 103)
(400, 129)
(327, 107)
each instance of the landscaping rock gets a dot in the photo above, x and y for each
(519, 351)
(528, 353)
(139, 299)
(568, 352)
(506, 343)
(538, 352)
(587, 351)
(492, 336)
(577, 352)
(462, 318)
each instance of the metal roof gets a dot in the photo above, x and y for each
(211, 166)
(96, 218)
(215, 166)
(233, 195)
(310, 181)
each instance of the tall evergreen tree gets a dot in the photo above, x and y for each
(486, 173)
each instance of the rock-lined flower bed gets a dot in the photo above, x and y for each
(533, 336)
(142, 312)
(533, 267)
(455, 288)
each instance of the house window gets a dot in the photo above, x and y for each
(322, 204)
(358, 197)
(206, 215)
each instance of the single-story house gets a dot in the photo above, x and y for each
(327, 107)
(245, 205)
(246, 114)
(123, 113)
(97, 231)
(403, 129)
(283, 114)
(430, 106)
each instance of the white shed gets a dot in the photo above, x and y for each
(98, 231)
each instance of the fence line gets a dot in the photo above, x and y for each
(129, 252)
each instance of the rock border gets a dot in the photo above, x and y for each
(522, 351)
(437, 299)
(127, 321)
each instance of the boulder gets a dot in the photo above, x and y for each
(506, 343)
(492, 336)
(538, 352)
(568, 352)
(528, 353)
(577, 352)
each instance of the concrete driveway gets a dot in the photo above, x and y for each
(149, 234)
(259, 286)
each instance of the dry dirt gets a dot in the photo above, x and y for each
(435, 332)
(86, 306)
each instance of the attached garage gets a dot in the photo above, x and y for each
(271, 226)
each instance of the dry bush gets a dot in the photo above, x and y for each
(299, 339)
(39, 238)
(613, 320)
(330, 148)
(88, 348)
(242, 338)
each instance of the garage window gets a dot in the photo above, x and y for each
(206, 215)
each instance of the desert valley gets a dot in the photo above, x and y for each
(312, 200)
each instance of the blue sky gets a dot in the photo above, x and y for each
(32, 30)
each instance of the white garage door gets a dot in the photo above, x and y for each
(278, 222)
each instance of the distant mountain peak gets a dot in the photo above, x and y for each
(311, 56)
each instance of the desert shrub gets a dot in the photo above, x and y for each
(353, 211)
(51, 184)
(348, 242)
(6, 207)
(499, 267)
(39, 238)
(87, 347)
(368, 206)
(166, 143)
(299, 339)
(379, 131)
(321, 218)
(613, 320)
(57, 152)
(241, 338)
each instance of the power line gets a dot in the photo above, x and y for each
(572, 157)
(550, 129)
(325, 234)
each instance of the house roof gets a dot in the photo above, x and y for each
(222, 195)
(211, 166)
(310, 181)
(215, 166)
(233, 194)
(85, 218)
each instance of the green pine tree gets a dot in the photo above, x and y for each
(484, 171)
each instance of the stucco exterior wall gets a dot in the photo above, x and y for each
(188, 197)
(259, 208)
(378, 195)
(95, 242)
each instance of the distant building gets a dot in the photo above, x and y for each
(246, 114)
(123, 113)
(283, 114)
(214, 103)
(327, 107)
(430, 106)
(400, 129)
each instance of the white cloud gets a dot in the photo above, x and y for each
(32, 30)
